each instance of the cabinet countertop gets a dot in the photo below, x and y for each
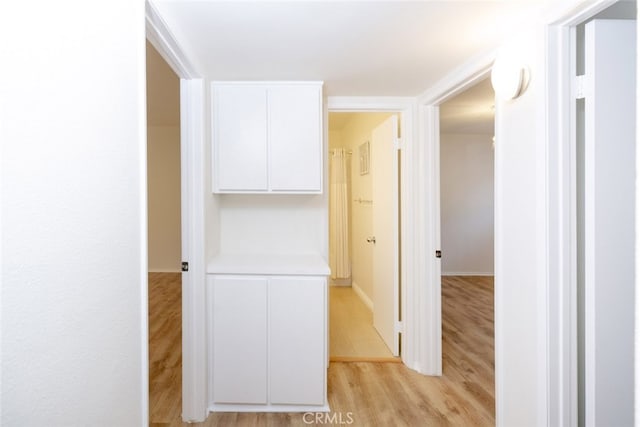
(269, 264)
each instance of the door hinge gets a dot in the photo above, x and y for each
(579, 84)
(399, 327)
(397, 143)
(438, 254)
(185, 266)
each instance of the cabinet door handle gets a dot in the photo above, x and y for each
(371, 239)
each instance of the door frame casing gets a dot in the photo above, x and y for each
(561, 137)
(192, 167)
(404, 106)
(429, 172)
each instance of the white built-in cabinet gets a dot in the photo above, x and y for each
(267, 342)
(267, 311)
(267, 137)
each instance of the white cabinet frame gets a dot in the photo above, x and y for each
(260, 144)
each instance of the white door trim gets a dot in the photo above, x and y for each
(561, 252)
(561, 214)
(410, 261)
(194, 336)
(160, 37)
(428, 173)
(192, 165)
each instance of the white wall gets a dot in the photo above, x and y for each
(520, 306)
(466, 210)
(636, 376)
(163, 159)
(73, 213)
(272, 223)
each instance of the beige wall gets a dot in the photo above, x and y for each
(163, 157)
(355, 132)
(163, 164)
(466, 197)
(335, 139)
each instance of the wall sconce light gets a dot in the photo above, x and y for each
(509, 77)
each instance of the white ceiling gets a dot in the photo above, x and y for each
(469, 112)
(365, 48)
(358, 48)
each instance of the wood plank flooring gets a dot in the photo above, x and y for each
(367, 394)
(165, 346)
(351, 332)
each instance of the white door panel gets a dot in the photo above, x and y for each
(239, 335)
(384, 170)
(609, 216)
(240, 132)
(297, 363)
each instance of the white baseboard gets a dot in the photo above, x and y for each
(365, 299)
(465, 273)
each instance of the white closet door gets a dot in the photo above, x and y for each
(609, 221)
(297, 313)
(295, 138)
(240, 138)
(239, 337)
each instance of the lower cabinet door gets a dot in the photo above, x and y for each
(239, 334)
(297, 358)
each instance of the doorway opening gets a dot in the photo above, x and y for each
(467, 142)
(364, 189)
(164, 239)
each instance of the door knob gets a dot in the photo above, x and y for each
(371, 239)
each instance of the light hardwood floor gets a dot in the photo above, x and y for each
(368, 394)
(351, 332)
(165, 346)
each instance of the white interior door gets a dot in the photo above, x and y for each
(609, 176)
(384, 170)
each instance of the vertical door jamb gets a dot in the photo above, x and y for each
(192, 164)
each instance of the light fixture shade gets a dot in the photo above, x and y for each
(508, 77)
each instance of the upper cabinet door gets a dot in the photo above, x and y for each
(240, 135)
(267, 137)
(295, 138)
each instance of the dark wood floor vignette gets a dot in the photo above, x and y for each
(363, 393)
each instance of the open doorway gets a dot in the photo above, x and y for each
(364, 235)
(164, 239)
(467, 237)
